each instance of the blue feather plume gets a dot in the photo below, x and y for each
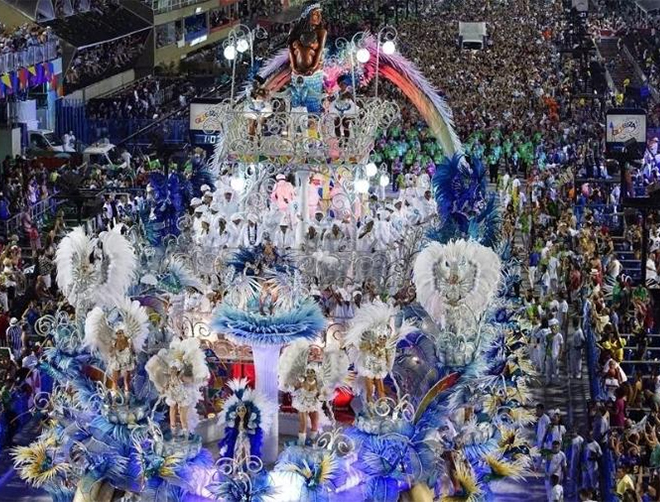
(304, 321)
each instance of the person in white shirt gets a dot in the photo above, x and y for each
(283, 238)
(334, 239)
(542, 423)
(234, 230)
(575, 349)
(382, 232)
(555, 431)
(562, 313)
(126, 158)
(591, 454)
(585, 495)
(554, 346)
(366, 236)
(228, 203)
(574, 458)
(555, 469)
(557, 490)
(200, 211)
(251, 234)
(69, 141)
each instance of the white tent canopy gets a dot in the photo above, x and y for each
(472, 34)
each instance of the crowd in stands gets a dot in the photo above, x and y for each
(514, 108)
(149, 98)
(26, 45)
(104, 60)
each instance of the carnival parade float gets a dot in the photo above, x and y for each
(190, 371)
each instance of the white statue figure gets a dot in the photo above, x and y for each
(178, 373)
(455, 282)
(311, 375)
(118, 334)
(372, 337)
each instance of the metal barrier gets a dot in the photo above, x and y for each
(604, 214)
(71, 116)
(29, 56)
(37, 211)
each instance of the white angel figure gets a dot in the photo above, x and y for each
(373, 336)
(456, 276)
(93, 271)
(178, 373)
(311, 375)
(118, 334)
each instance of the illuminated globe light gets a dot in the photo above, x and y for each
(384, 180)
(242, 45)
(237, 183)
(362, 185)
(389, 48)
(362, 55)
(371, 169)
(230, 52)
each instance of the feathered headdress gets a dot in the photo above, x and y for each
(376, 319)
(331, 370)
(102, 324)
(259, 415)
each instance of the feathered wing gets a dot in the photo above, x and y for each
(292, 365)
(190, 352)
(157, 368)
(136, 320)
(117, 268)
(334, 372)
(479, 271)
(72, 260)
(179, 276)
(98, 335)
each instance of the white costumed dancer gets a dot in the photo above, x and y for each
(94, 271)
(372, 337)
(178, 374)
(118, 334)
(311, 375)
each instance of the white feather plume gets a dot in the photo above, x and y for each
(292, 364)
(85, 272)
(99, 334)
(72, 260)
(462, 268)
(118, 267)
(189, 353)
(331, 372)
(375, 316)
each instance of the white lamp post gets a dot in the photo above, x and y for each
(240, 39)
(386, 37)
(362, 55)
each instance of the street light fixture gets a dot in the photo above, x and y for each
(386, 37)
(240, 39)
(354, 52)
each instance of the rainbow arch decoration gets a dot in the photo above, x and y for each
(394, 68)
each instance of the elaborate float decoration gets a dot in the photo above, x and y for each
(442, 380)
